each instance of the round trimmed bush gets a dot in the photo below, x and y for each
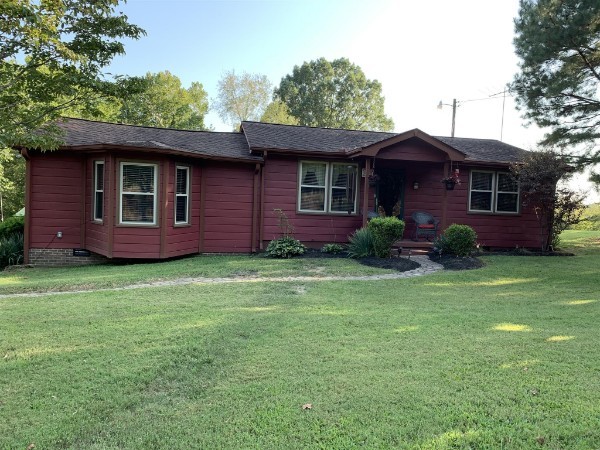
(386, 230)
(459, 240)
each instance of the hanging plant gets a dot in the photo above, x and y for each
(451, 180)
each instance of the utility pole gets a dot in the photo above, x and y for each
(453, 116)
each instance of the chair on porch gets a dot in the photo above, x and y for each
(425, 225)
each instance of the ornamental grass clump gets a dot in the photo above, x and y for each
(360, 244)
(11, 250)
(459, 240)
(386, 230)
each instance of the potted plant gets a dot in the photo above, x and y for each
(451, 180)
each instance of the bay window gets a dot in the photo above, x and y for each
(138, 188)
(182, 195)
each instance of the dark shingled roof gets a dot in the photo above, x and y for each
(80, 133)
(265, 136)
(485, 149)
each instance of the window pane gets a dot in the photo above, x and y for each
(507, 203)
(481, 201)
(341, 174)
(138, 208)
(481, 181)
(340, 201)
(312, 199)
(98, 206)
(99, 177)
(138, 178)
(506, 183)
(181, 181)
(343, 190)
(313, 174)
(181, 209)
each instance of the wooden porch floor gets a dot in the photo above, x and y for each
(408, 246)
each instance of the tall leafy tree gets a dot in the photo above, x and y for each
(12, 182)
(278, 112)
(166, 103)
(242, 97)
(558, 86)
(52, 56)
(334, 94)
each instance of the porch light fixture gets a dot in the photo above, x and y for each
(415, 185)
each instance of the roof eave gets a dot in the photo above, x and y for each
(164, 151)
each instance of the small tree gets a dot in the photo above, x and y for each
(555, 207)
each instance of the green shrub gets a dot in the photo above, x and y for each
(285, 247)
(361, 244)
(332, 248)
(11, 250)
(12, 225)
(459, 240)
(386, 230)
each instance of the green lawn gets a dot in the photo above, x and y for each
(502, 357)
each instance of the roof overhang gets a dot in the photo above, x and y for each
(374, 149)
(158, 151)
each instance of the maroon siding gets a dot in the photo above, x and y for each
(281, 191)
(228, 192)
(182, 239)
(56, 200)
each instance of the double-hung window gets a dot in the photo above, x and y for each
(138, 188)
(493, 192)
(327, 187)
(182, 195)
(98, 206)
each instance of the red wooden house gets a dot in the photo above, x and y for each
(121, 191)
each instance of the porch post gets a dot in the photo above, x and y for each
(365, 205)
(444, 197)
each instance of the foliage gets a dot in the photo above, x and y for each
(166, 103)
(558, 43)
(590, 219)
(332, 248)
(556, 207)
(459, 240)
(360, 243)
(386, 230)
(11, 250)
(12, 182)
(278, 112)
(12, 225)
(242, 97)
(285, 247)
(52, 56)
(334, 94)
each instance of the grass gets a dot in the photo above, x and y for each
(502, 357)
(114, 275)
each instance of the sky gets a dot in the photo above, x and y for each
(422, 52)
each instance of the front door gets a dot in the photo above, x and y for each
(390, 191)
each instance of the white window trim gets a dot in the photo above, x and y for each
(494, 191)
(121, 193)
(96, 190)
(328, 186)
(187, 195)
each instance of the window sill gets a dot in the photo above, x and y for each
(491, 213)
(137, 225)
(182, 225)
(323, 213)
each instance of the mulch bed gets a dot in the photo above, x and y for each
(451, 262)
(399, 264)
